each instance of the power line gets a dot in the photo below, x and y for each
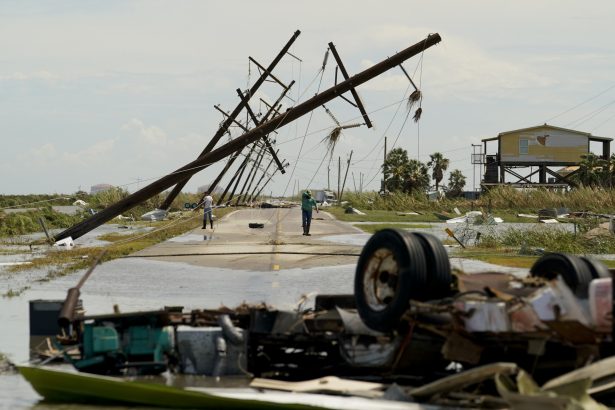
(580, 104)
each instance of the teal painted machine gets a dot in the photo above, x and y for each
(134, 343)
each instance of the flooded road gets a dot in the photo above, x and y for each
(151, 283)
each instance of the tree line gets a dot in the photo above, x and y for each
(403, 174)
(595, 172)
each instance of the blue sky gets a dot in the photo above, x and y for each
(123, 92)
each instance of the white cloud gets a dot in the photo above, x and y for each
(149, 135)
(95, 153)
(456, 65)
(44, 152)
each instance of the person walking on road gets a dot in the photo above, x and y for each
(307, 202)
(208, 202)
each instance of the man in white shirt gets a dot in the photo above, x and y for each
(208, 202)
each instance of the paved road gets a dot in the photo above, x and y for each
(279, 245)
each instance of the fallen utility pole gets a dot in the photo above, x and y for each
(251, 197)
(256, 163)
(255, 120)
(250, 137)
(231, 118)
(237, 176)
(265, 184)
(256, 167)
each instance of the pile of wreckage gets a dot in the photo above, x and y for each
(413, 331)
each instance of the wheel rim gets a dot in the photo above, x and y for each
(381, 279)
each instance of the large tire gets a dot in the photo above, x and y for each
(439, 277)
(391, 270)
(573, 270)
(596, 267)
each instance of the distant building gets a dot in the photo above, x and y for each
(94, 189)
(528, 152)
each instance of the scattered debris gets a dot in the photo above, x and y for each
(351, 210)
(6, 366)
(155, 215)
(66, 243)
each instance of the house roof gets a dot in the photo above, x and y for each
(591, 137)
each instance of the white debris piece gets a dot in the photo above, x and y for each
(66, 243)
(155, 215)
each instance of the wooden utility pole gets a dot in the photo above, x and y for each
(266, 182)
(251, 197)
(234, 178)
(384, 174)
(339, 174)
(251, 176)
(345, 176)
(248, 138)
(231, 118)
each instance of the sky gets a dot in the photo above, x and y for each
(123, 92)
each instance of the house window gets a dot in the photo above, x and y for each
(523, 146)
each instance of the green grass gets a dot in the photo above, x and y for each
(499, 258)
(552, 240)
(380, 216)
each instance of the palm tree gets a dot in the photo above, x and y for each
(608, 172)
(590, 172)
(438, 164)
(395, 169)
(456, 182)
(417, 177)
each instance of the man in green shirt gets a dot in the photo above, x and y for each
(307, 202)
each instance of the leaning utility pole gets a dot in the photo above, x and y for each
(231, 117)
(248, 138)
(255, 164)
(251, 196)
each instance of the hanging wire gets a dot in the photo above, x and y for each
(589, 115)
(580, 104)
(35, 202)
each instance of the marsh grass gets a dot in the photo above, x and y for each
(13, 224)
(551, 240)
(499, 199)
(60, 263)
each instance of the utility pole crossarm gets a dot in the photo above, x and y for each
(263, 69)
(249, 137)
(353, 91)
